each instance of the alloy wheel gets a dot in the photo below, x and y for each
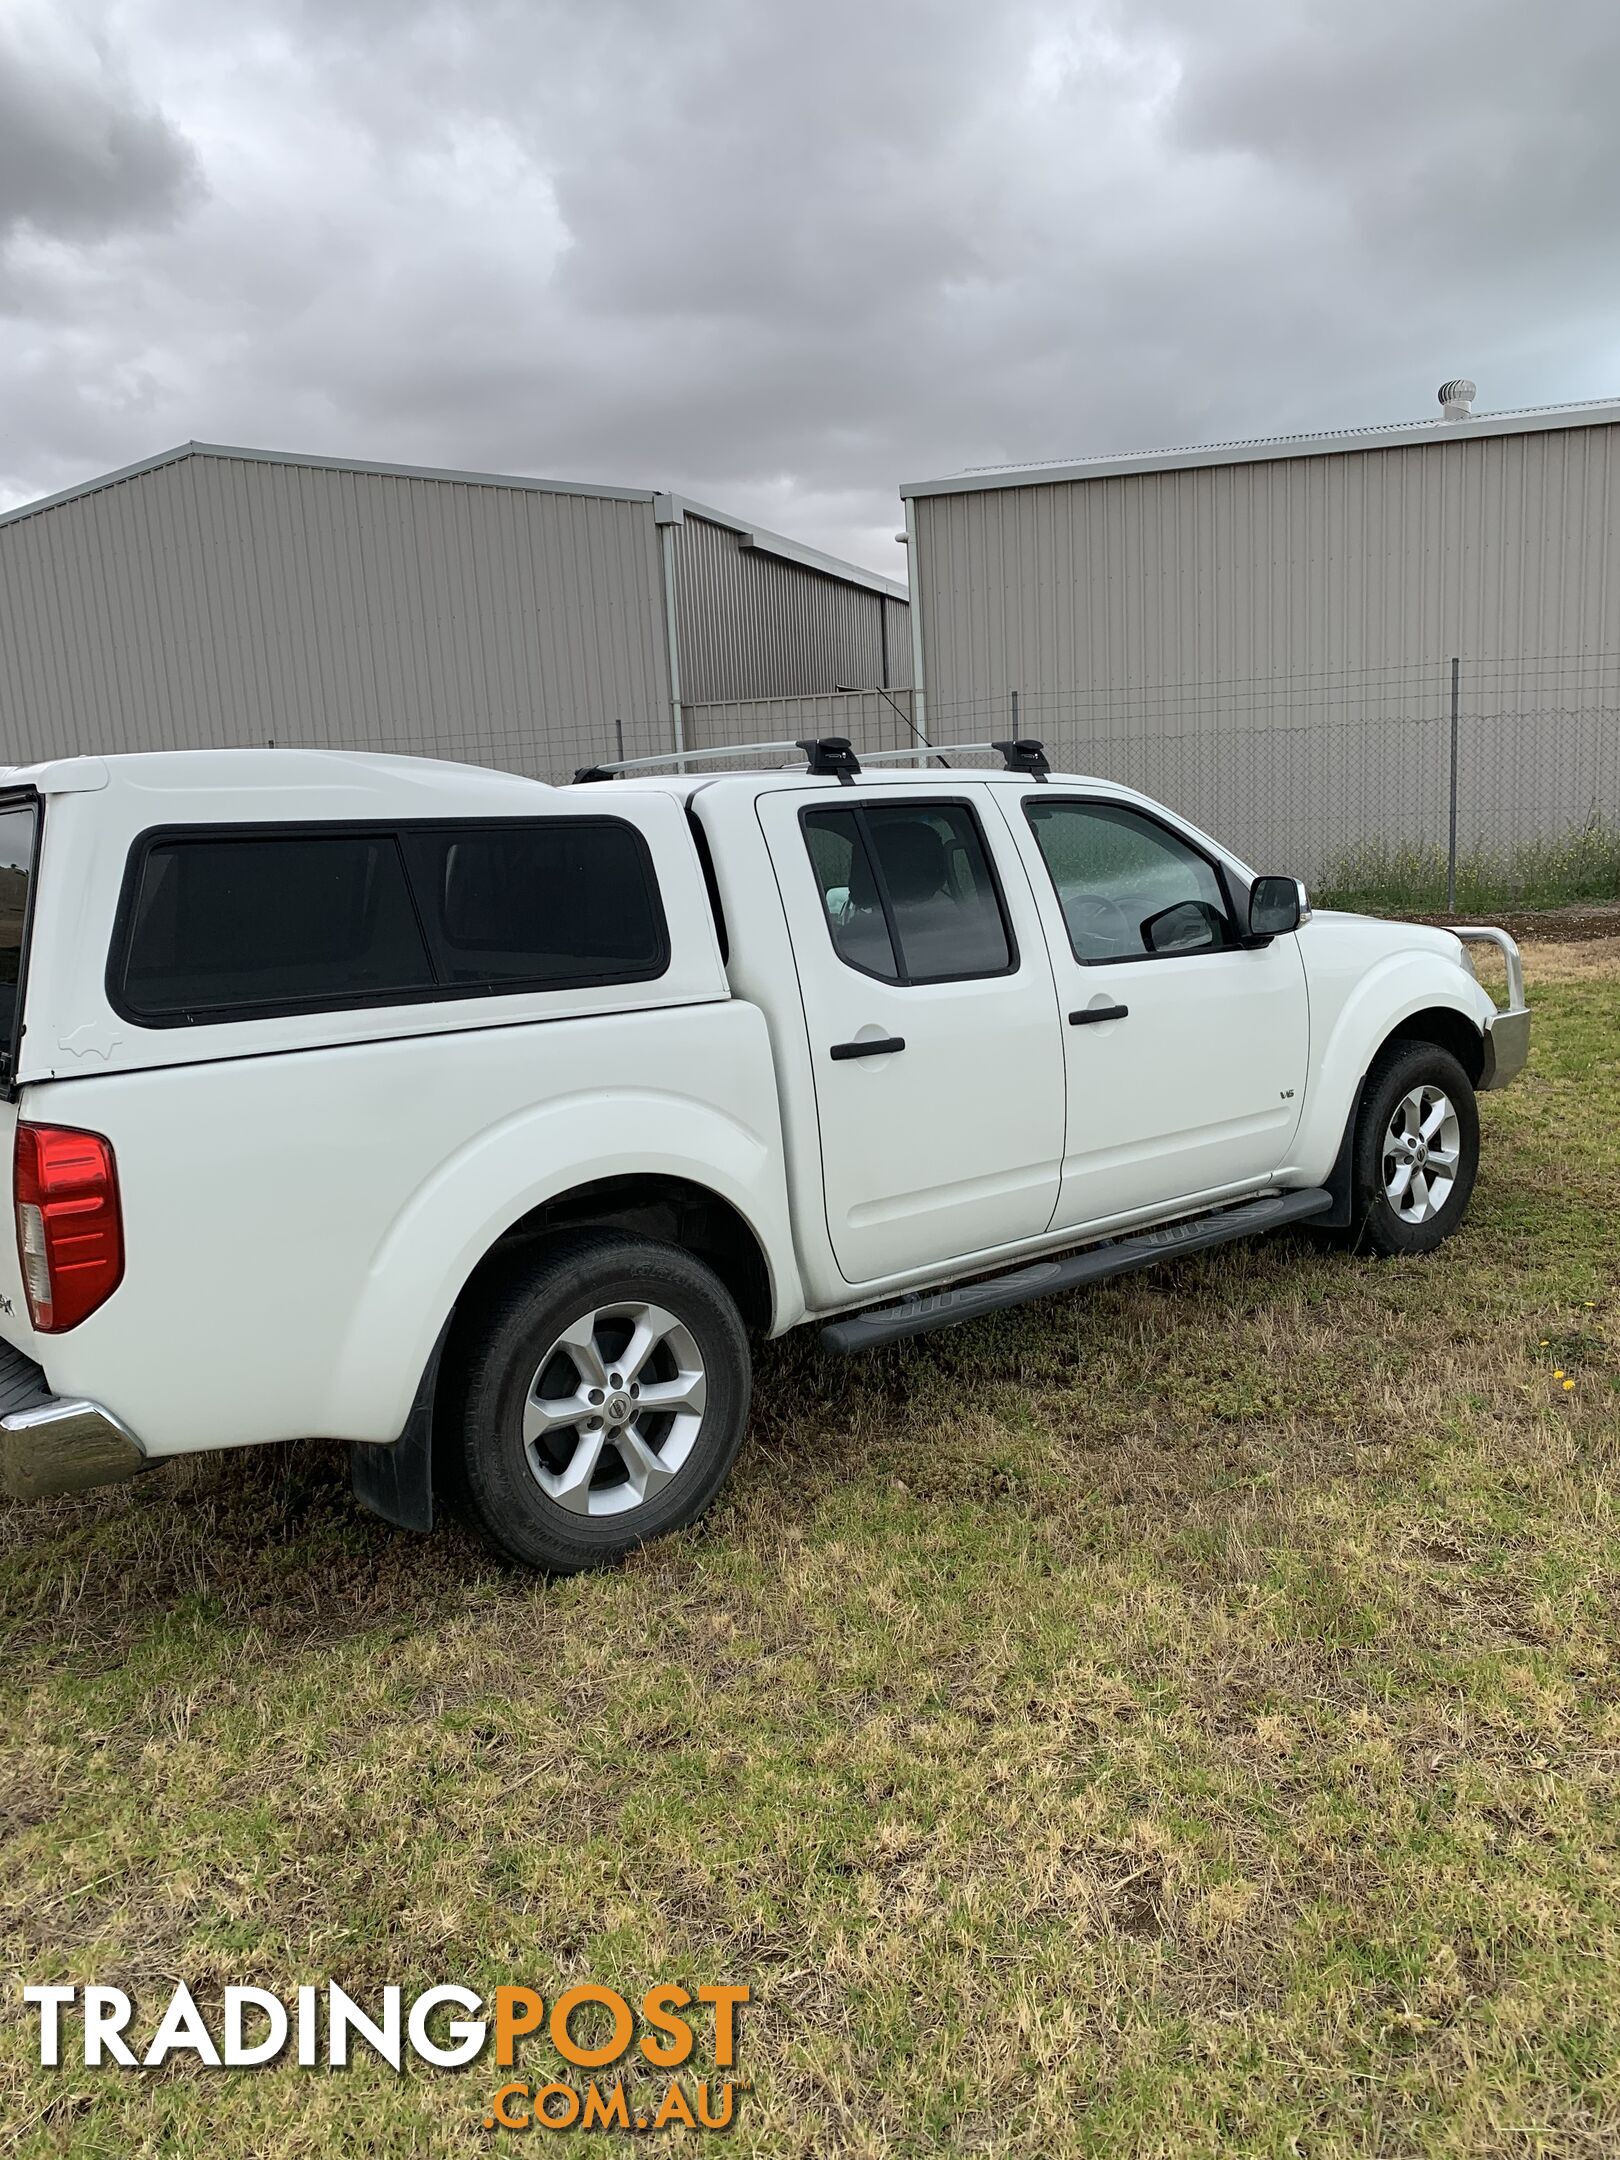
(614, 1408)
(1421, 1154)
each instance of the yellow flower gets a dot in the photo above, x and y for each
(1569, 1384)
(1558, 1372)
(1543, 1343)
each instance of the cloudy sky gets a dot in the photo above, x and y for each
(783, 254)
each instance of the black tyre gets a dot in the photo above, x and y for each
(1416, 1150)
(601, 1405)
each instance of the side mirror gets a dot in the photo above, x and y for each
(1276, 906)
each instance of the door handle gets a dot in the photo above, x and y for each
(879, 1046)
(1089, 1015)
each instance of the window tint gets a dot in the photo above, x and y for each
(947, 913)
(17, 829)
(1127, 885)
(547, 903)
(855, 914)
(223, 926)
(908, 891)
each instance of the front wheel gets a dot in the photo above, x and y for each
(1416, 1150)
(602, 1405)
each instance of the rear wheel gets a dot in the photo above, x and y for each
(1416, 1149)
(602, 1405)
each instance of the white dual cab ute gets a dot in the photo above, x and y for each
(479, 1123)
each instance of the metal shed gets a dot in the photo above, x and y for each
(1263, 633)
(219, 595)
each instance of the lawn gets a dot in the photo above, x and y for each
(1183, 1719)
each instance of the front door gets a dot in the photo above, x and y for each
(935, 1038)
(1186, 1052)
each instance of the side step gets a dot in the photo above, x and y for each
(1070, 1271)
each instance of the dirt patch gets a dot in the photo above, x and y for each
(1554, 926)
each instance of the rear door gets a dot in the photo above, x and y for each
(1187, 1052)
(934, 1033)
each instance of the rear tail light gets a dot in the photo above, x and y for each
(70, 1234)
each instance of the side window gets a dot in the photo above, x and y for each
(537, 905)
(222, 927)
(909, 892)
(856, 916)
(230, 925)
(1129, 888)
(18, 831)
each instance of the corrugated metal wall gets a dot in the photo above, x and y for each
(1271, 636)
(897, 643)
(755, 625)
(868, 719)
(233, 600)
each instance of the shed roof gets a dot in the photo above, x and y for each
(670, 509)
(1334, 442)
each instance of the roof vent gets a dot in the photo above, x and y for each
(1457, 399)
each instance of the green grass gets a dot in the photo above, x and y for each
(1584, 866)
(1183, 1720)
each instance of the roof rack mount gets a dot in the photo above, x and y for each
(1024, 754)
(831, 758)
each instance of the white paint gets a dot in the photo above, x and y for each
(1197, 1091)
(952, 1144)
(305, 1198)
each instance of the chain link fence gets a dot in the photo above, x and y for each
(1376, 785)
(1495, 777)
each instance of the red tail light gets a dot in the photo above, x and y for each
(70, 1234)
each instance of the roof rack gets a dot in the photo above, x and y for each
(682, 758)
(831, 756)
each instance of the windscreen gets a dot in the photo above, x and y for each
(18, 825)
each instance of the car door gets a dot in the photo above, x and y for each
(1186, 1049)
(935, 1039)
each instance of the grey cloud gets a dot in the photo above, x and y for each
(784, 258)
(81, 156)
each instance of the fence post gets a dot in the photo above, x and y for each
(1451, 819)
(1015, 716)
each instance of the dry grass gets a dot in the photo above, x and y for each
(1182, 1720)
(1582, 864)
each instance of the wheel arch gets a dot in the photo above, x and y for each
(1447, 1029)
(396, 1479)
(657, 1204)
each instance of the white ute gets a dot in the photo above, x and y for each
(478, 1123)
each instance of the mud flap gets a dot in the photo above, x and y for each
(1339, 1215)
(395, 1480)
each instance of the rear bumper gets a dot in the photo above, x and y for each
(56, 1443)
(1507, 1035)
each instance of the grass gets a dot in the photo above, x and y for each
(1584, 866)
(1183, 1720)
